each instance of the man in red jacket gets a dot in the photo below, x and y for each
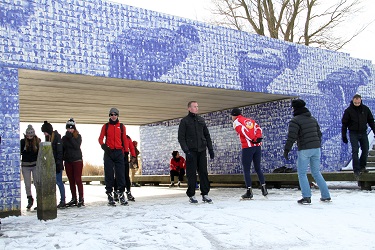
(250, 135)
(114, 148)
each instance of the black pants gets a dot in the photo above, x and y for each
(114, 165)
(197, 163)
(179, 173)
(127, 178)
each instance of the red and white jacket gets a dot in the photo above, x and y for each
(248, 131)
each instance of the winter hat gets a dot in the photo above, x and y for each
(30, 130)
(236, 112)
(70, 124)
(47, 127)
(174, 154)
(298, 103)
(114, 110)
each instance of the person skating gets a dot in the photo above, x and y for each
(355, 119)
(304, 129)
(194, 139)
(29, 152)
(250, 135)
(72, 141)
(114, 147)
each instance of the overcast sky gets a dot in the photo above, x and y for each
(360, 47)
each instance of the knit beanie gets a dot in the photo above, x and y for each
(236, 112)
(70, 124)
(30, 130)
(47, 127)
(114, 110)
(298, 103)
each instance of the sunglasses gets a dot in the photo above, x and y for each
(113, 114)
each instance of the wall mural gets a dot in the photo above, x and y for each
(144, 53)
(258, 68)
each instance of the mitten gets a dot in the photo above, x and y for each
(106, 149)
(286, 152)
(212, 154)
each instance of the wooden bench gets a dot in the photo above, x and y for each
(88, 179)
(273, 180)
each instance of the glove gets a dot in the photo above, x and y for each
(286, 152)
(189, 156)
(345, 139)
(212, 154)
(68, 134)
(106, 149)
(259, 140)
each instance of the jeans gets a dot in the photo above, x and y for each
(252, 154)
(359, 140)
(60, 184)
(312, 157)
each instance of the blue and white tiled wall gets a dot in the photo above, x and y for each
(99, 38)
(163, 141)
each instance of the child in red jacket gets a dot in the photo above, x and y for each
(177, 168)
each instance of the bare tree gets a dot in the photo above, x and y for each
(308, 22)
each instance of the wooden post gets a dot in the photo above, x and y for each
(45, 183)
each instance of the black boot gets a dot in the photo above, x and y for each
(122, 199)
(115, 196)
(130, 196)
(30, 202)
(264, 190)
(81, 202)
(248, 194)
(73, 202)
(111, 201)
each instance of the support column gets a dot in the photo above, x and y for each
(45, 183)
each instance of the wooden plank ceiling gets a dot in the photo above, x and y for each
(57, 96)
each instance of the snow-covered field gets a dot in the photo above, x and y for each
(162, 218)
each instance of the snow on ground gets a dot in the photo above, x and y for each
(162, 218)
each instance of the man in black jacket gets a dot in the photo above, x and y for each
(304, 129)
(194, 139)
(355, 119)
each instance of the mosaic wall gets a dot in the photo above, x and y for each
(100, 38)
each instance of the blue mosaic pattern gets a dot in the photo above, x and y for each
(99, 38)
(10, 185)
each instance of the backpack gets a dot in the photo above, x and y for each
(122, 132)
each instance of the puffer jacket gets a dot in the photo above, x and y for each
(304, 129)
